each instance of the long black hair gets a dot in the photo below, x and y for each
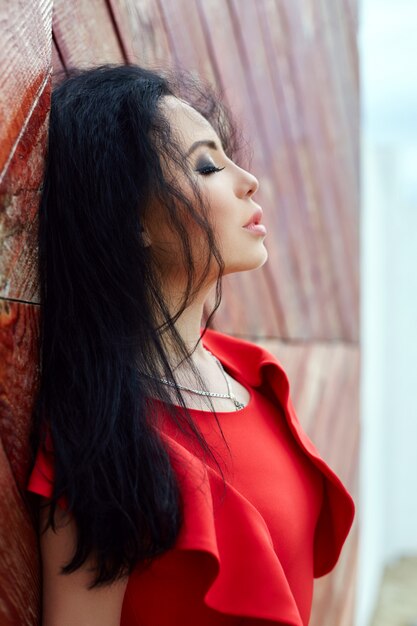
(100, 296)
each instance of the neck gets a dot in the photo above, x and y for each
(188, 326)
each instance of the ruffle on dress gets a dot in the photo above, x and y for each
(247, 577)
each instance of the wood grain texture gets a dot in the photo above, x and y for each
(84, 33)
(19, 199)
(25, 63)
(188, 39)
(57, 62)
(19, 548)
(19, 330)
(20, 597)
(141, 32)
(24, 104)
(24, 67)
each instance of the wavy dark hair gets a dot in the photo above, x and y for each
(101, 297)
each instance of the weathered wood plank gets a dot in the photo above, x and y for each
(24, 66)
(19, 562)
(25, 62)
(57, 64)
(188, 39)
(19, 199)
(20, 597)
(142, 32)
(305, 245)
(19, 331)
(315, 86)
(84, 33)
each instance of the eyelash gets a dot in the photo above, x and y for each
(209, 169)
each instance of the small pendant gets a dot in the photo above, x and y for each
(238, 404)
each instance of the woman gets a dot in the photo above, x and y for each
(187, 491)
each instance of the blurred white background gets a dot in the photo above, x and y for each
(388, 474)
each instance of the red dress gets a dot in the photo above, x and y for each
(249, 554)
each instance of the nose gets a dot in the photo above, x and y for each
(248, 184)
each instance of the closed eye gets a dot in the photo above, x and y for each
(209, 169)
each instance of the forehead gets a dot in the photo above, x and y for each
(186, 120)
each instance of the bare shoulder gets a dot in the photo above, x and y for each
(66, 599)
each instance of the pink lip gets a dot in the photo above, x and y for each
(258, 229)
(254, 225)
(256, 217)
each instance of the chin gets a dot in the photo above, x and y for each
(249, 261)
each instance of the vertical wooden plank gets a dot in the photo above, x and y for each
(24, 104)
(25, 63)
(19, 331)
(20, 597)
(57, 62)
(20, 589)
(188, 39)
(24, 67)
(19, 198)
(306, 218)
(84, 33)
(332, 48)
(309, 68)
(141, 31)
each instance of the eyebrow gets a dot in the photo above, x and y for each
(202, 142)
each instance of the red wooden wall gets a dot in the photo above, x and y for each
(289, 70)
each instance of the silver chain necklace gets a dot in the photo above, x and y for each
(230, 395)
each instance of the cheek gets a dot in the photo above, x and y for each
(225, 218)
(221, 212)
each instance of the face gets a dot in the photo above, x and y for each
(227, 188)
